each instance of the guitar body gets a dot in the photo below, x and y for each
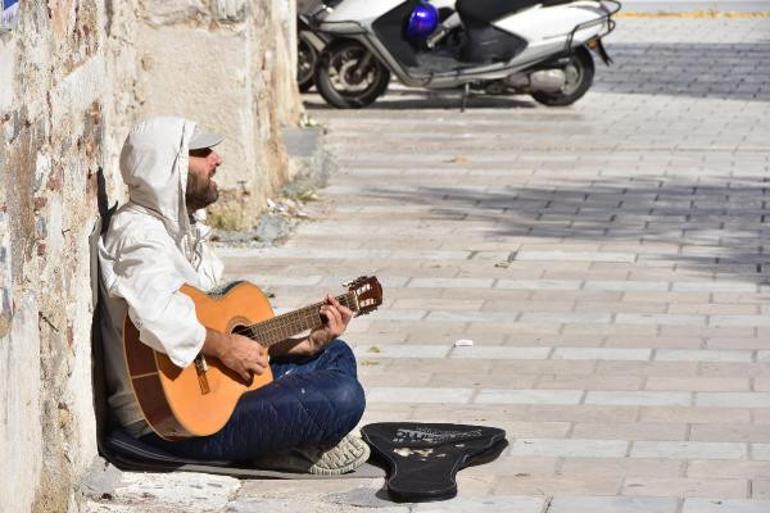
(199, 399)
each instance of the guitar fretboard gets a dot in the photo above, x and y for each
(286, 325)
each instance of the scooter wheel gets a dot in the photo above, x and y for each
(348, 76)
(307, 59)
(580, 76)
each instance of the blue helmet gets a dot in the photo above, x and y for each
(423, 21)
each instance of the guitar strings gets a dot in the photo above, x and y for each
(290, 323)
(275, 332)
(296, 318)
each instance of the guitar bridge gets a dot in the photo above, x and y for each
(200, 368)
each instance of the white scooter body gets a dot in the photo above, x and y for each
(547, 30)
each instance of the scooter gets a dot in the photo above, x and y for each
(310, 44)
(536, 47)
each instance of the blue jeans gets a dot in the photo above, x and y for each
(313, 401)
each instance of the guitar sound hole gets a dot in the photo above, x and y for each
(241, 330)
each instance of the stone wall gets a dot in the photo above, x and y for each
(226, 65)
(74, 76)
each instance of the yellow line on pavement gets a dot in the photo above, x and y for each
(693, 14)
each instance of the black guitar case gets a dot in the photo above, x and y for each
(422, 460)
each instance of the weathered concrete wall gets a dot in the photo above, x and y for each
(74, 76)
(227, 65)
(57, 101)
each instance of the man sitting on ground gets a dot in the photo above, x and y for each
(154, 245)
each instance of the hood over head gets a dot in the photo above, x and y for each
(154, 165)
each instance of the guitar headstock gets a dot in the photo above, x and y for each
(367, 293)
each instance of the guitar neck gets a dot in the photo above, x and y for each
(283, 326)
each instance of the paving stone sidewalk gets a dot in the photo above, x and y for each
(607, 260)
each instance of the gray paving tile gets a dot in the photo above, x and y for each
(499, 396)
(601, 353)
(713, 286)
(498, 504)
(698, 505)
(722, 321)
(733, 399)
(462, 283)
(639, 398)
(569, 448)
(689, 450)
(760, 451)
(613, 505)
(390, 314)
(468, 316)
(538, 284)
(345, 254)
(402, 351)
(575, 256)
(567, 318)
(702, 355)
(630, 286)
(266, 280)
(418, 395)
(501, 352)
(661, 319)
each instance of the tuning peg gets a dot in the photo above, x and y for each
(354, 283)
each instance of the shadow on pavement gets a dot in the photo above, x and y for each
(411, 99)
(715, 228)
(736, 71)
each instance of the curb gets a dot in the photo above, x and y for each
(310, 163)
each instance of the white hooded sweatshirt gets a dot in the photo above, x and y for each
(151, 249)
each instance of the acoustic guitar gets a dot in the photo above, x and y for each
(199, 399)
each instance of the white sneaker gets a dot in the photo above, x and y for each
(349, 454)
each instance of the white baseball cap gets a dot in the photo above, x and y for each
(202, 139)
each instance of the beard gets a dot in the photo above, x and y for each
(200, 193)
